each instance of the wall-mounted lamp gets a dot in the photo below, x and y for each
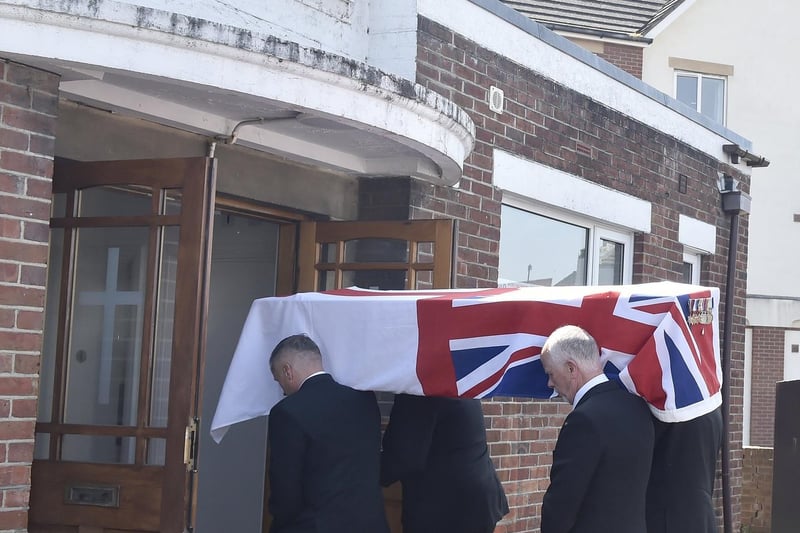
(735, 152)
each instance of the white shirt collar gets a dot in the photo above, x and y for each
(311, 376)
(597, 380)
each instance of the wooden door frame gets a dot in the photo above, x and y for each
(288, 235)
(415, 232)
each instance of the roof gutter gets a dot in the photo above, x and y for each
(736, 152)
(598, 33)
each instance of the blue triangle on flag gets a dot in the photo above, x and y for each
(466, 361)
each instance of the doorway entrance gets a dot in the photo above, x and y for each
(150, 280)
(244, 266)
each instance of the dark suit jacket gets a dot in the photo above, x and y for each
(325, 461)
(679, 497)
(437, 448)
(601, 464)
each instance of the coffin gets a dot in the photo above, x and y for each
(660, 340)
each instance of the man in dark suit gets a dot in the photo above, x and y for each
(324, 441)
(601, 462)
(436, 447)
(679, 496)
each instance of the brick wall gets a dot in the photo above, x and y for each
(757, 490)
(558, 127)
(28, 104)
(767, 361)
(628, 58)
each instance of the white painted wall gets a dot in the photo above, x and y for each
(337, 26)
(393, 37)
(381, 33)
(760, 41)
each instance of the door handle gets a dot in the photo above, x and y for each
(190, 445)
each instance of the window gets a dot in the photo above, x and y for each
(703, 92)
(543, 247)
(691, 268)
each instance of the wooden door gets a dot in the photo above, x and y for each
(388, 255)
(123, 346)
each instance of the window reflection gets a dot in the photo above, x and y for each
(687, 273)
(687, 90)
(539, 251)
(611, 257)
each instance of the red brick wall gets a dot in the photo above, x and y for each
(553, 125)
(28, 104)
(757, 490)
(767, 369)
(628, 58)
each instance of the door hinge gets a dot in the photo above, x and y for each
(190, 441)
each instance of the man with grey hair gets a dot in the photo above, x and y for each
(601, 462)
(324, 441)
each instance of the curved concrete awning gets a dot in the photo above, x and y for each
(234, 86)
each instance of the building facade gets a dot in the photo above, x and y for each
(164, 165)
(732, 65)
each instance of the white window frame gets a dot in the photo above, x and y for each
(695, 259)
(699, 96)
(597, 233)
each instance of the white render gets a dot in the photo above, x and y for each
(556, 188)
(338, 26)
(697, 235)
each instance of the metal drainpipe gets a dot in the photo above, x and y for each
(730, 287)
(734, 202)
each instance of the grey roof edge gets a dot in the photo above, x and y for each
(552, 26)
(663, 13)
(563, 44)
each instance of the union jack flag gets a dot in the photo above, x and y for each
(660, 340)
(490, 344)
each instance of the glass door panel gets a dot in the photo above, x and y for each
(106, 341)
(165, 315)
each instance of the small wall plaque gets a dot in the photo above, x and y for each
(90, 494)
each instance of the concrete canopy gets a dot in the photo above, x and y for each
(237, 87)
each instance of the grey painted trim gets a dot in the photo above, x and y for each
(537, 30)
(770, 297)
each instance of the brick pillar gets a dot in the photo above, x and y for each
(28, 106)
(767, 369)
(757, 490)
(628, 58)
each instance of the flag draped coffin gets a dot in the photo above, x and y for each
(659, 339)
